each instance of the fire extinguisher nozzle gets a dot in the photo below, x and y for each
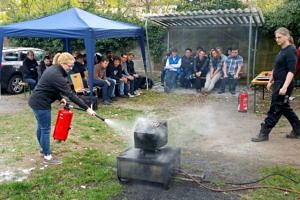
(103, 119)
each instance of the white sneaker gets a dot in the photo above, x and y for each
(130, 95)
(137, 93)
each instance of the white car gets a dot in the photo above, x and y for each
(12, 60)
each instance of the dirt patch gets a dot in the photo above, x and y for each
(12, 103)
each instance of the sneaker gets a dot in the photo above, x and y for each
(130, 95)
(114, 98)
(124, 96)
(48, 159)
(106, 102)
(137, 93)
(221, 92)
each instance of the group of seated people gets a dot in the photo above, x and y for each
(202, 70)
(109, 72)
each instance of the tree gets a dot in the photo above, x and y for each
(193, 5)
(287, 15)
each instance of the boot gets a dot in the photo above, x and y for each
(263, 134)
(295, 133)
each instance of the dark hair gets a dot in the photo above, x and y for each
(47, 58)
(108, 51)
(234, 48)
(188, 49)
(199, 48)
(104, 59)
(79, 56)
(30, 51)
(117, 58)
(123, 54)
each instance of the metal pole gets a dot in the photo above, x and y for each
(148, 56)
(168, 41)
(148, 48)
(249, 51)
(254, 53)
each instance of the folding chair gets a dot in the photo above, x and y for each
(78, 84)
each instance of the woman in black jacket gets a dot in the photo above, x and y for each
(283, 85)
(50, 88)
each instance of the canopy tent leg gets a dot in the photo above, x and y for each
(1, 47)
(168, 40)
(148, 50)
(249, 51)
(90, 43)
(254, 53)
(142, 46)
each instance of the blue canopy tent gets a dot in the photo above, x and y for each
(71, 24)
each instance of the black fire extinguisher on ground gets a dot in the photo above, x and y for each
(243, 101)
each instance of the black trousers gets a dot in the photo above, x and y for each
(280, 106)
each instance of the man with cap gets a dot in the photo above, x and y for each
(172, 69)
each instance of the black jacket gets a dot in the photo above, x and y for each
(130, 67)
(51, 86)
(201, 65)
(114, 72)
(29, 69)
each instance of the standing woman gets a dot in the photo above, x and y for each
(282, 81)
(51, 87)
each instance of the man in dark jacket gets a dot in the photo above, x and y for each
(29, 70)
(131, 71)
(187, 65)
(200, 69)
(46, 63)
(114, 71)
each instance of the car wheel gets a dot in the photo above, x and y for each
(14, 86)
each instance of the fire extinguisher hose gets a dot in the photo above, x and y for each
(236, 189)
(98, 116)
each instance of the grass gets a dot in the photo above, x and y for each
(88, 154)
(262, 194)
(85, 175)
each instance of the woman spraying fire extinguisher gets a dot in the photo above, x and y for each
(49, 89)
(282, 81)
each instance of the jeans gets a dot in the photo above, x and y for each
(106, 90)
(32, 82)
(232, 82)
(43, 118)
(123, 88)
(170, 78)
(113, 90)
(131, 86)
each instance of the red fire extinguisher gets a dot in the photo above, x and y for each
(63, 123)
(243, 101)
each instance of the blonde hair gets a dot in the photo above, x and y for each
(284, 31)
(55, 58)
(64, 57)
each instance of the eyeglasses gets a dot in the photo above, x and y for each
(69, 65)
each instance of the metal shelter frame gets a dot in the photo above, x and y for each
(249, 17)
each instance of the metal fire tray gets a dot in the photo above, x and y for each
(158, 166)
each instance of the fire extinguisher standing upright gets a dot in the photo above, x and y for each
(63, 123)
(243, 101)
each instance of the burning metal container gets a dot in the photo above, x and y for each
(148, 160)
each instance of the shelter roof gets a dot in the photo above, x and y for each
(209, 18)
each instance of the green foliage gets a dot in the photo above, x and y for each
(192, 5)
(287, 15)
(30, 9)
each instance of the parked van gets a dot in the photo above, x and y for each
(12, 60)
